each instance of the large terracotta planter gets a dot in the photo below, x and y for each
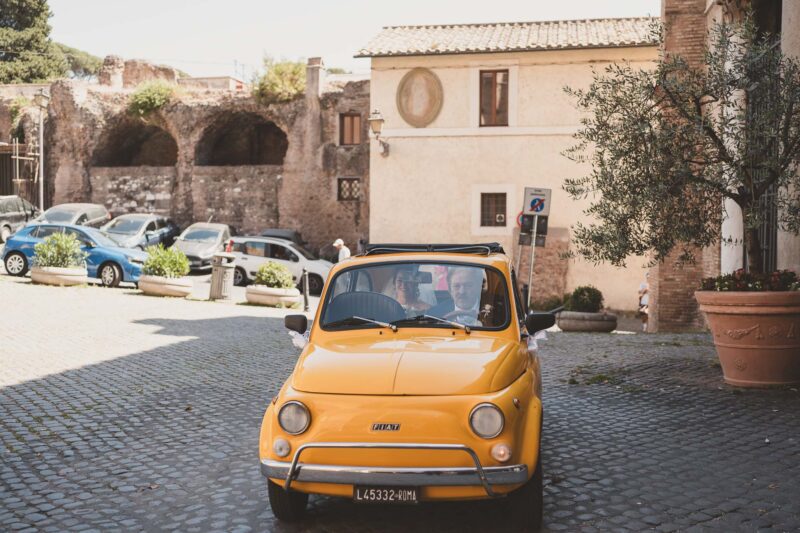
(263, 295)
(757, 335)
(161, 286)
(59, 276)
(577, 321)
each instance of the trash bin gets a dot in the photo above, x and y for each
(222, 265)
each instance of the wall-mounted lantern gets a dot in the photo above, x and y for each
(376, 125)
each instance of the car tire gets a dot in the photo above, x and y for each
(239, 277)
(5, 233)
(286, 506)
(527, 502)
(16, 264)
(110, 274)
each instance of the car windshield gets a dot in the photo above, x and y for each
(304, 251)
(417, 294)
(99, 238)
(201, 235)
(128, 226)
(58, 216)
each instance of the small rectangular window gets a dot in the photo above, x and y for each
(349, 129)
(493, 209)
(349, 190)
(494, 98)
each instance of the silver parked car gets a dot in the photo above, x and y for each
(94, 215)
(201, 241)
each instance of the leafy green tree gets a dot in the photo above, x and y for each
(283, 81)
(27, 54)
(667, 145)
(81, 65)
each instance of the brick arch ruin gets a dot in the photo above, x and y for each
(132, 143)
(241, 138)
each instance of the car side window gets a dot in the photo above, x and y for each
(43, 232)
(258, 249)
(150, 227)
(83, 219)
(82, 237)
(282, 253)
(239, 247)
(160, 223)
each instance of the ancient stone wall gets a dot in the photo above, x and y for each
(133, 189)
(208, 152)
(244, 197)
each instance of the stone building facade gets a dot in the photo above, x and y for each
(460, 158)
(213, 151)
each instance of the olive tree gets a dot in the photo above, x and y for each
(668, 144)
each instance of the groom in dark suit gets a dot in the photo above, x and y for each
(465, 285)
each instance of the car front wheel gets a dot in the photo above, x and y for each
(287, 506)
(16, 264)
(527, 502)
(110, 275)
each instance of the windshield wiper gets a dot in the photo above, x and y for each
(357, 319)
(420, 318)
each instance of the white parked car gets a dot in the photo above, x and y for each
(252, 252)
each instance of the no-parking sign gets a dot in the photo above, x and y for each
(537, 202)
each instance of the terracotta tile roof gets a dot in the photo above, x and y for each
(509, 37)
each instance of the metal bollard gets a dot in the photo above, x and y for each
(305, 290)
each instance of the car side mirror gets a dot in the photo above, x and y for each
(539, 321)
(298, 323)
(89, 244)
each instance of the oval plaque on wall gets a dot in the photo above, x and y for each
(419, 97)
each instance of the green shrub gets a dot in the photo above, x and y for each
(585, 299)
(165, 262)
(150, 96)
(15, 109)
(274, 275)
(60, 250)
(283, 81)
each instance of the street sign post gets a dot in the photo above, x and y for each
(536, 206)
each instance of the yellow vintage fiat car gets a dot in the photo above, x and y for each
(417, 383)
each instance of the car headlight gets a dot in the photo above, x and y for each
(486, 420)
(294, 417)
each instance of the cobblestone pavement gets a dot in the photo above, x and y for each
(124, 412)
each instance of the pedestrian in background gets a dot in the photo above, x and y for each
(344, 251)
(644, 300)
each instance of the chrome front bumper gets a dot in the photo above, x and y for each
(394, 476)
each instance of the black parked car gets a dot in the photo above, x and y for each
(15, 212)
(141, 230)
(285, 234)
(94, 215)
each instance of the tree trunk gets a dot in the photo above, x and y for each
(752, 245)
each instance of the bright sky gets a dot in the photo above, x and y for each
(206, 38)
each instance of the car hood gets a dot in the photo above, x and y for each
(196, 248)
(394, 364)
(123, 239)
(132, 253)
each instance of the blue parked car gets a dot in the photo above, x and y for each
(141, 230)
(105, 260)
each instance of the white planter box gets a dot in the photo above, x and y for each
(263, 295)
(161, 286)
(59, 276)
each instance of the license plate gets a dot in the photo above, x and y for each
(404, 495)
